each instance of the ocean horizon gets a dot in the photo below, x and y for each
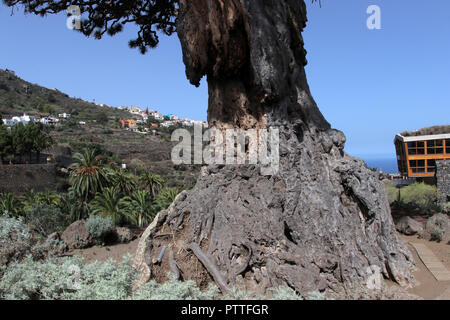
(387, 164)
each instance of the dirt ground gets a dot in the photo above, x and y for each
(428, 287)
(103, 253)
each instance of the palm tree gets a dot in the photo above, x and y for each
(123, 181)
(170, 194)
(139, 211)
(48, 197)
(28, 200)
(41, 141)
(31, 198)
(9, 205)
(109, 204)
(88, 175)
(74, 207)
(154, 182)
(163, 200)
(6, 145)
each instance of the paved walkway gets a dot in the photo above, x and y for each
(433, 264)
(444, 296)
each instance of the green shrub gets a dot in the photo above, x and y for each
(136, 164)
(392, 192)
(99, 227)
(47, 219)
(419, 194)
(9, 205)
(415, 197)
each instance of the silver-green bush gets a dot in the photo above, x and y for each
(15, 239)
(47, 219)
(36, 280)
(174, 290)
(285, 293)
(99, 226)
(445, 208)
(437, 234)
(13, 229)
(67, 278)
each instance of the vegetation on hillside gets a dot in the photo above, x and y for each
(22, 140)
(18, 96)
(98, 186)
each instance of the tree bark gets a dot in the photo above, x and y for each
(324, 218)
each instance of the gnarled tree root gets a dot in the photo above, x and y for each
(212, 269)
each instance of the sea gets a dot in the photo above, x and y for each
(387, 164)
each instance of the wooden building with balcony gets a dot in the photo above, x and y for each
(418, 151)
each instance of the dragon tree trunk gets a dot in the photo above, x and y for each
(322, 221)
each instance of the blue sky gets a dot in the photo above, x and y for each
(371, 84)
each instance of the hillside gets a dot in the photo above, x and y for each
(138, 151)
(147, 152)
(18, 96)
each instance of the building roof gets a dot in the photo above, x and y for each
(430, 133)
(434, 130)
(422, 138)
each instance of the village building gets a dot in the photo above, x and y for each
(418, 151)
(424, 155)
(9, 122)
(128, 123)
(64, 115)
(25, 119)
(49, 120)
(167, 124)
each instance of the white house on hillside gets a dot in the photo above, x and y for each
(9, 122)
(167, 124)
(25, 119)
(64, 115)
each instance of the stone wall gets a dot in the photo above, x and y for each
(443, 180)
(19, 178)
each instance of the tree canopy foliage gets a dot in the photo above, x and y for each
(23, 139)
(109, 17)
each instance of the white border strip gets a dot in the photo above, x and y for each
(421, 138)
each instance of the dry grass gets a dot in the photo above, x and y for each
(427, 131)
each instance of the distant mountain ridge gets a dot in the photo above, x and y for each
(18, 96)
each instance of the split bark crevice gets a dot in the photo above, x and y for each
(324, 218)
